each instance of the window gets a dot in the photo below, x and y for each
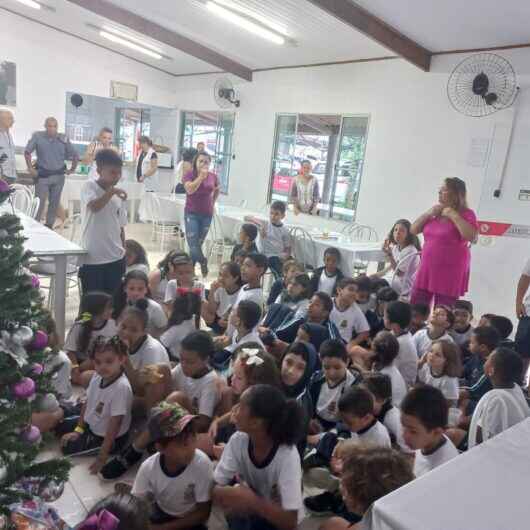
(215, 130)
(335, 145)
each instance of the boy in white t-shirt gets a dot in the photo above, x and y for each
(103, 214)
(347, 315)
(178, 479)
(274, 241)
(424, 417)
(442, 319)
(397, 319)
(326, 278)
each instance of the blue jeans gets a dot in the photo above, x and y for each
(197, 226)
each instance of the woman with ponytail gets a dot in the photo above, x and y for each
(264, 458)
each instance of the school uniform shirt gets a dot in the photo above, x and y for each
(390, 417)
(107, 330)
(275, 241)
(175, 493)
(350, 322)
(255, 294)
(101, 230)
(253, 336)
(462, 337)
(405, 272)
(407, 359)
(104, 402)
(224, 300)
(160, 294)
(447, 385)
(157, 316)
(423, 463)
(399, 387)
(326, 284)
(328, 398)
(143, 164)
(148, 352)
(300, 308)
(171, 290)
(201, 391)
(423, 341)
(375, 434)
(172, 338)
(497, 410)
(277, 479)
(59, 367)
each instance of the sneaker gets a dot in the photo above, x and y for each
(326, 503)
(118, 466)
(204, 269)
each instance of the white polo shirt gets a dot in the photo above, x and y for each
(101, 231)
(423, 463)
(202, 391)
(349, 321)
(149, 352)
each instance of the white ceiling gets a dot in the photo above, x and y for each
(438, 25)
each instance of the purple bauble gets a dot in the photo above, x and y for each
(37, 369)
(24, 389)
(31, 434)
(4, 186)
(40, 340)
(35, 282)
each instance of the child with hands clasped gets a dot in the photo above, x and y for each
(178, 478)
(263, 458)
(106, 416)
(184, 280)
(94, 321)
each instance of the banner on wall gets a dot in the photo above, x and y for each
(494, 229)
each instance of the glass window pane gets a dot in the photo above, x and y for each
(349, 166)
(283, 156)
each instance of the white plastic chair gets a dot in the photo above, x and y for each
(44, 267)
(162, 229)
(219, 246)
(363, 233)
(35, 203)
(303, 247)
(348, 229)
(22, 198)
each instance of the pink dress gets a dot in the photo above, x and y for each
(445, 258)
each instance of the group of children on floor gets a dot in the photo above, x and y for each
(331, 379)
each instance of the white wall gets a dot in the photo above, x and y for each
(415, 140)
(50, 63)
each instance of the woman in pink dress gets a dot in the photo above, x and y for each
(448, 229)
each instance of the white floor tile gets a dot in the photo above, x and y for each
(69, 506)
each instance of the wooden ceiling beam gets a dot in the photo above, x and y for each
(159, 33)
(379, 31)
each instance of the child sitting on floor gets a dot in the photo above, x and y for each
(441, 321)
(135, 257)
(134, 287)
(182, 321)
(247, 240)
(159, 278)
(222, 296)
(424, 416)
(94, 321)
(290, 269)
(106, 416)
(462, 328)
(297, 294)
(420, 315)
(365, 298)
(326, 278)
(262, 457)
(178, 479)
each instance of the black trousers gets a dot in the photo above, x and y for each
(106, 277)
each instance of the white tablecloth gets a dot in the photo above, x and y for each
(485, 488)
(172, 209)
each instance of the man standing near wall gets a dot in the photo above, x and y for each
(8, 166)
(53, 149)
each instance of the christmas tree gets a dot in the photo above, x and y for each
(24, 384)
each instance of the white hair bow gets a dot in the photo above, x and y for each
(252, 356)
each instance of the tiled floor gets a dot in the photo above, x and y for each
(83, 490)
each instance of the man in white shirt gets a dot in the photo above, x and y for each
(8, 165)
(104, 215)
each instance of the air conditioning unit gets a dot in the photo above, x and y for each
(121, 90)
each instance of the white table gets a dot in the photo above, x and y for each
(172, 209)
(45, 242)
(485, 488)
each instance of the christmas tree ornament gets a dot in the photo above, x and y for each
(40, 340)
(37, 369)
(24, 389)
(35, 282)
(31, 435)
(22, 335)
(46, 403)
(51, 490)
(14, 350)
(4, 186)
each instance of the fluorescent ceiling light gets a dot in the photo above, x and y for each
(129, 44)
(132, 38)
(244, 23)
(252, 14)
(30, 3)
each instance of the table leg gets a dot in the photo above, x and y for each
(59, 309)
